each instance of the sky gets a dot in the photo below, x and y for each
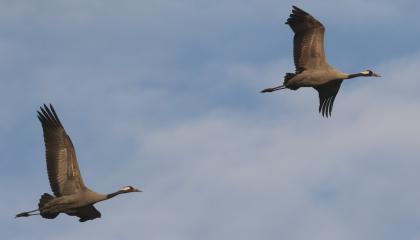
(164, 96)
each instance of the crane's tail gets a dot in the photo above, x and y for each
(287, 77)
(289, 85)
(45, 198)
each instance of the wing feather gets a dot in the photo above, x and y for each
(85, 213)
(63, 171)
(327, 93)
(308, 42)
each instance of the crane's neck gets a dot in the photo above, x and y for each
(354, 75)
(111, 195)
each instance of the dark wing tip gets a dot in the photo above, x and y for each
(55, 115)
(296, 14)
(48, 116)
(297, 9)
(300, 19)
(327, 94)
(331, 105)
(326, 106)
(322, 107)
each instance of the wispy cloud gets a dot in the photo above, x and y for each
(164, 96)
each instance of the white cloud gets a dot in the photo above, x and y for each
(251, 166)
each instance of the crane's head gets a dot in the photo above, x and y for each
(369, 73)
(128, 189)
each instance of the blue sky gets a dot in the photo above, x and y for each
(164, 95)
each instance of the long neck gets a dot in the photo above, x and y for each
(349, 76)
(111, 195)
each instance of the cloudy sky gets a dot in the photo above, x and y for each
(164, 95)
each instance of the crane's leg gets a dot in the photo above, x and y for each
(27, 214)
(273, 89)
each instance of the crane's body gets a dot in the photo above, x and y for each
(71, 196)
(314, 77)
(312, 68)
(67, 203)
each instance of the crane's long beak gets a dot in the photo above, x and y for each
(376, 75)
(137, 190)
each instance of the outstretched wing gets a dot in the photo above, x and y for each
(63, 171)
(327, 93)
(85, 213)
(308, 42)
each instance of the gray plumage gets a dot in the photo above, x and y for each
(71, 196)
(312, 68)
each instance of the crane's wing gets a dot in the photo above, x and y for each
(308, 42)
(63, 171)
(85, 213)
(327, 93)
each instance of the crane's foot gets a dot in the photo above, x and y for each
(27, 214)
(24, 214)
(267, 90)
(273, 89)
